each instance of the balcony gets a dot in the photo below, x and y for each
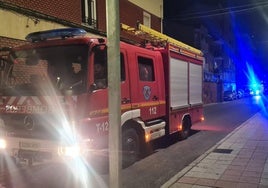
(92, 23)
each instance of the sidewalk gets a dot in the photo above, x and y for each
(240, 160)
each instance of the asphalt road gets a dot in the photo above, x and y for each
(168, 158)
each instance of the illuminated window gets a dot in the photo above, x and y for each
(146, 69)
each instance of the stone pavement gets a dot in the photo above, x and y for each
(240, 160)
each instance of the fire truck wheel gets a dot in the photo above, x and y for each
(130, 147)
(186, 128)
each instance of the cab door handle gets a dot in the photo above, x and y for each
(155, 98)
(125, 100)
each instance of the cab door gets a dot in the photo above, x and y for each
(149, 96)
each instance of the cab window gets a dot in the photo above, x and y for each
(146, 69)
(100, 68)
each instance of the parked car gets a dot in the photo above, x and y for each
(229, 95)
(240, 93)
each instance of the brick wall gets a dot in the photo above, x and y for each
(22, 75)
(69, 10)
(8, 42)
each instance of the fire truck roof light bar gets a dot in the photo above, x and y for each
(55, 33)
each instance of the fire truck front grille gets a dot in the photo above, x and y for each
(30, 126)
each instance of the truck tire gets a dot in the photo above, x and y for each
(130, 147)
(186, 128)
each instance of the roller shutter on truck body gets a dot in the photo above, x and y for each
(178, 83)
(185, 89)
(195, 84)
(185, 83)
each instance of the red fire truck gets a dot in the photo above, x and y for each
(54, 94)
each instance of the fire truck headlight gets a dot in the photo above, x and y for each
(3, 143)
(70, 151)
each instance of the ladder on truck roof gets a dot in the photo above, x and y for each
(155, 37)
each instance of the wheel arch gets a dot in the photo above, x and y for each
(131, 119)
(185, 126)
(133, 124)
(186, 119)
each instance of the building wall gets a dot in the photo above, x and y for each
(20, 17)
(154, 7)
(8, 42)
(210, 93)
(129, 14)
(17, 26)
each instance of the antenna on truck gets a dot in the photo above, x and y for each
(156, 38)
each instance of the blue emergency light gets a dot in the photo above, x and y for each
(55, 33)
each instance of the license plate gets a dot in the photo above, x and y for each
(29, 145)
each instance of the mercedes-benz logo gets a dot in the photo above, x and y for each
(28, 123)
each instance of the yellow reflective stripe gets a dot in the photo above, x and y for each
(128, 107)
(146, 104)
(162, 102)
(124, 107)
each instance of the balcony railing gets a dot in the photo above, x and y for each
(90, 22)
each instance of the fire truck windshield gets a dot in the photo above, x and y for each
(32, 71)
